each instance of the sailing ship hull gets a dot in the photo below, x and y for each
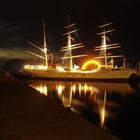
(101, 76)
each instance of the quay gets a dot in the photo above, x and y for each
(27, 115)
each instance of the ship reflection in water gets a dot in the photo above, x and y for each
(110, 105)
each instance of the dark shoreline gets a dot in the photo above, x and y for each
(25, 114)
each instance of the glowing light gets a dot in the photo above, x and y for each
(76, 67)
(45, 90)
(42, 89)
(80, 89)
(102, 111)
(92, 62)
(74, 88)
(85, 88)
(60, 89)
(45, 50)
(60, 69)
(33, 67)
(111, 61)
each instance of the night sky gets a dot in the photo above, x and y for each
(21, 21)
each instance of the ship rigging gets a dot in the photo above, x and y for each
(44, 50)
(68, 50)
(105, 47)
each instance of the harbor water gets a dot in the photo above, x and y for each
(114, 107)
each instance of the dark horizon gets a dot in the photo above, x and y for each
(21, 22)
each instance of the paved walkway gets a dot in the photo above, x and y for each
(27, 115)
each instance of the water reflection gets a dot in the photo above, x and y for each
(98, 102)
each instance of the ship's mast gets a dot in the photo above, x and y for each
(44, 49)
(45, 45)
(104, 46)
(71, 46)
(104, 38)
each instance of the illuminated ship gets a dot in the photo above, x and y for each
(73, 72)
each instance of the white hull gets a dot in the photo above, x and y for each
(109, 75)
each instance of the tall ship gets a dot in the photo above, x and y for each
(102, 71)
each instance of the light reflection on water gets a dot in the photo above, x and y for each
(100, 103)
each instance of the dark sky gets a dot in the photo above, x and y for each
(21, 21)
